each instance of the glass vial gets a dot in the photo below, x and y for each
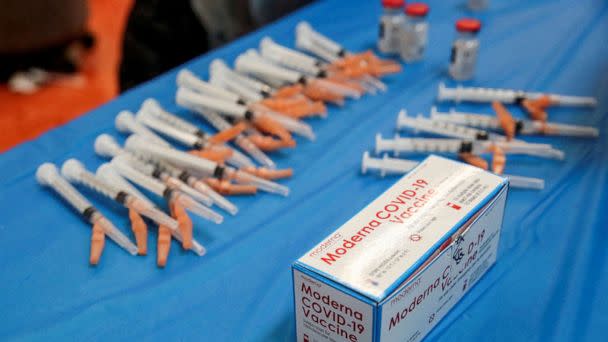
(413, 38)
(464, 49)
(391, 22)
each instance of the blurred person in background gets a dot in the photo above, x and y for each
(164, 34)
(62, 58)
(39, 39)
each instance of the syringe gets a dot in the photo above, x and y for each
(106, 146)
(125, 123)
(252, 63)
(446, 129)
(75, 172)
(241, 140)
(197, 91)
(125, 165)
(201, 146)
(388, 165)
(153, 107)
(434, 145)
(314, 42)
(237, 111)
(523, 127)
(107, 172)
(218, 66)
(508, 96)
(48, 175)
(308, 65)
(205, 167)
(295, 105)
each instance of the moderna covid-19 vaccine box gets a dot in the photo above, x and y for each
(394, 270)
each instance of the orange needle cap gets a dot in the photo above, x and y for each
(97, 244)
(140, 229)
(474, 160)
(184, 223)
(163, 246)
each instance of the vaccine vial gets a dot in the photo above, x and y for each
(391, 22)
(413, 38)
(477, 5)
(464, 49)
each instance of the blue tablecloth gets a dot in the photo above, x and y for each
(551, 278)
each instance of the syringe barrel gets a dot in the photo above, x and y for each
(219, 66)
(125, 122)
(186, 79)
(467, 119)
(250, 95)
(304, 28)
(138, 177)
(185, 95)
(171, 155)
(154, 108)
(476, 94)
(184, 137)
(99, 185)
(70, 194)
(107, 172)
(270, 48)
(258, 66)
(280, 55)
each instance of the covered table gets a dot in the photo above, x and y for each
(551, 276)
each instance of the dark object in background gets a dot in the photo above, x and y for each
(48, 35)
(161, 34)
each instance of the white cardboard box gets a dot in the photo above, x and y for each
(394, 270)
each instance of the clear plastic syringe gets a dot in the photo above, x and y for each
(124, 165)
(153, 107)
(256, 98)
(447, 129)
(252, 63)
(107, 172)
(312, 41)
(192, 90)
(188, 139)
(236, 111)
(218, 66)
(48, 175)
(205, 167)
(125, 123)
(387, 166)
(241, 140)
(508, 96)
(75, 172)
(301, 62)
(433, 145)
(106, 146)
(523, 127)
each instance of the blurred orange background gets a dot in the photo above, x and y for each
(24, 117)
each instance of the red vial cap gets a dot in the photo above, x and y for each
(468, 25)
(417, 9)
(393, 3)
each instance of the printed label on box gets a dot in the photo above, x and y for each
(396, 268)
